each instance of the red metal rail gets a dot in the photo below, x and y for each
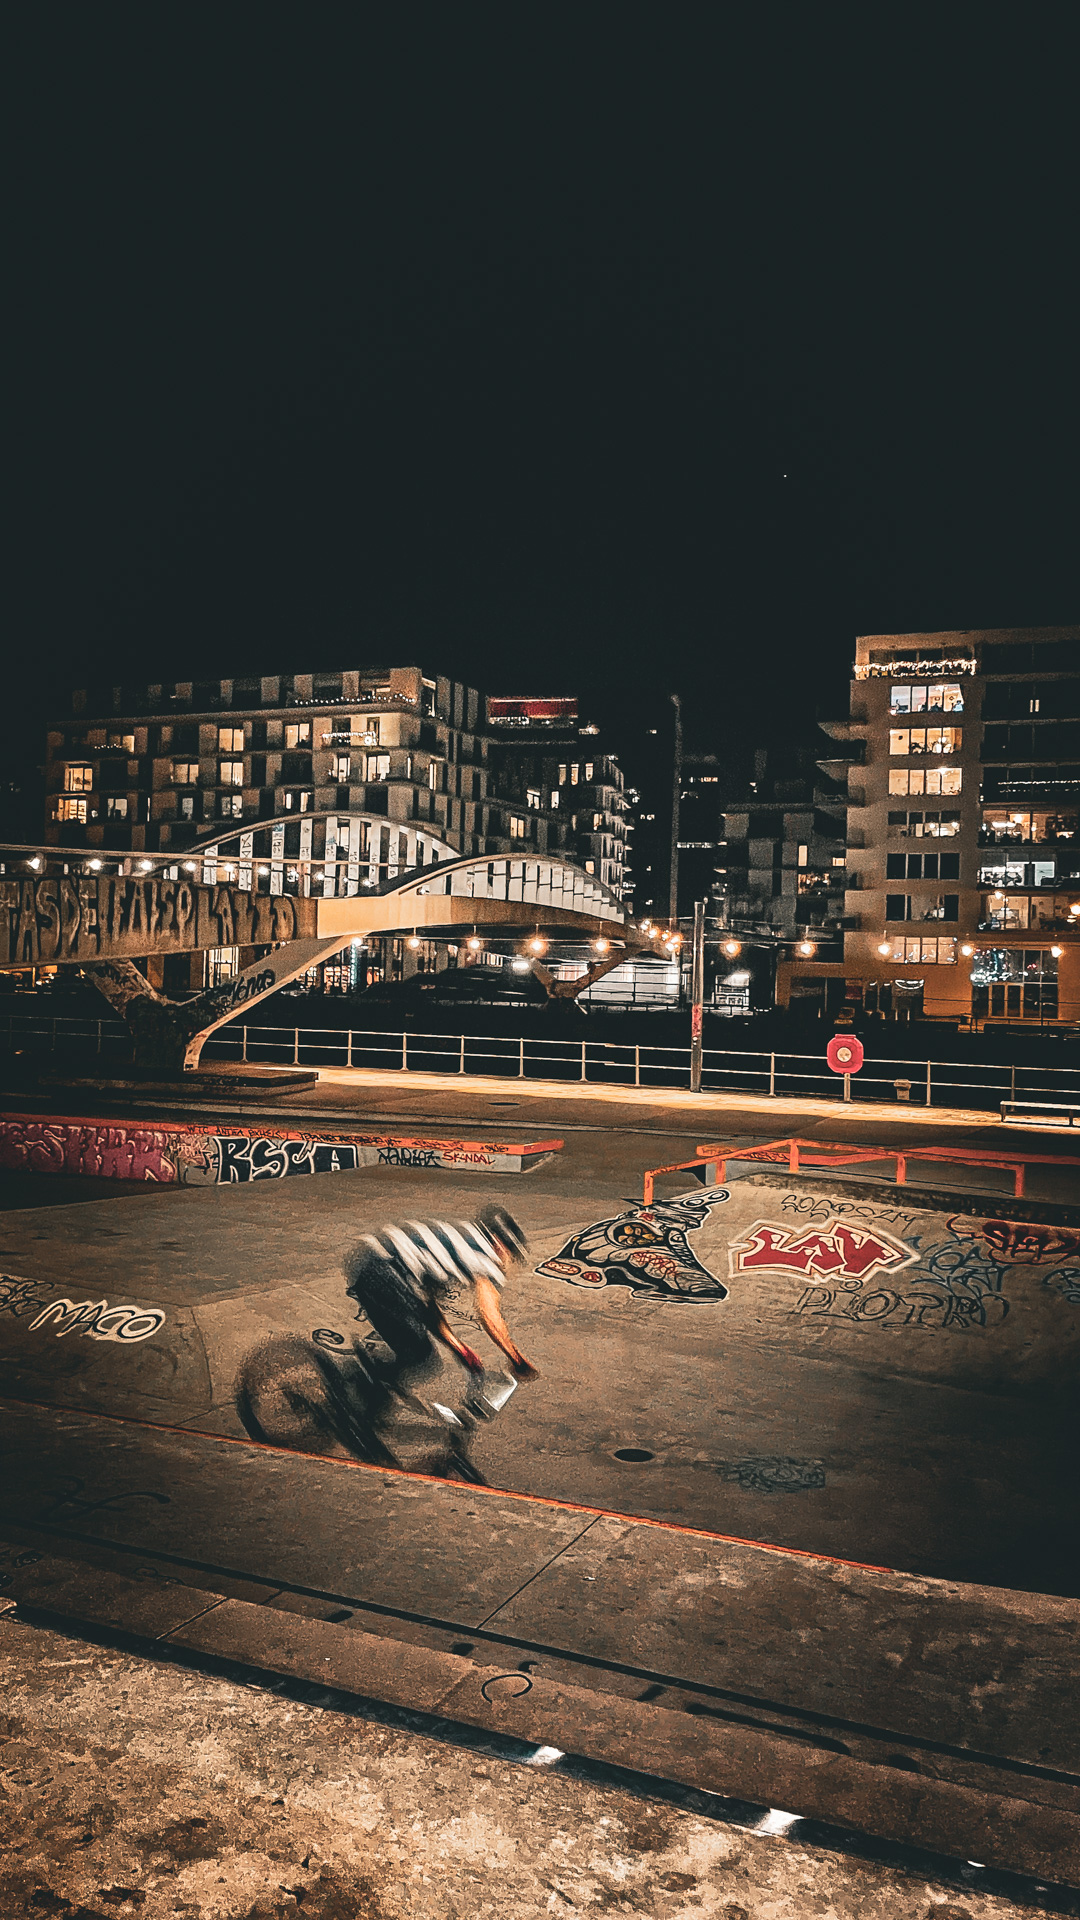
(822, 1153)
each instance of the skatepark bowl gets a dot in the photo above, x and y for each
(813, 1402)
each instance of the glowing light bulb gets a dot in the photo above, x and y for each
(601, 946)
(885, 948)
(189, 866)
(807, 947)
(35, 862)
(95, 866)
(145, 866)
(731, 948)
(473, 943)
(1057, 952)
(536, 945)
(967, 950)
(413, 941)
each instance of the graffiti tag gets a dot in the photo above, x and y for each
(408, 1156)
(839, 1252)
(94, 1319)
(241, 1160)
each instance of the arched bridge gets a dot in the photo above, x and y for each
(65, 908)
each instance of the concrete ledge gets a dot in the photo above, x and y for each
(768, 1768)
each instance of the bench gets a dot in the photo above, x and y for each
(1035, 1109)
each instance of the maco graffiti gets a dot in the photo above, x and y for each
(94, 1319)
(645, 1249)
(839, 1252)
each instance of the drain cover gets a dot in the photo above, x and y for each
(635, 1454)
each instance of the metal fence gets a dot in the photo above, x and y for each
(953, 1083)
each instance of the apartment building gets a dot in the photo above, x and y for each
(560, 771)
(381, 768)
(962, 759)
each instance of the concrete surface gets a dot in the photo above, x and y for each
(137, 1787)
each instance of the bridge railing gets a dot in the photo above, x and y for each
(953, 1083)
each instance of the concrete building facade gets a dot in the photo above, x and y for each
(962, 757)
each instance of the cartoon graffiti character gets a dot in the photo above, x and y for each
(645, 1249)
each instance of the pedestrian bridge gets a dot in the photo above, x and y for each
(103, 913)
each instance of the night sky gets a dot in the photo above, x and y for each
(589, 346)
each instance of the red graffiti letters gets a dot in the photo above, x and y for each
(836, 1253)
(66, 1146)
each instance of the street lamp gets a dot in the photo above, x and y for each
(537, 945)
(967, 950)
(885, 949)
(601, 946)
(732, 948)
(807, 948)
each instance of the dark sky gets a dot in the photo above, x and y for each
(588, 345)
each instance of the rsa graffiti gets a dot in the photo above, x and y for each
(645, 1249)
(93, 1319)
(199, 1156)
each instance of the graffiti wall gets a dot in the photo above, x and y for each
(191, 1155)
(85, 916)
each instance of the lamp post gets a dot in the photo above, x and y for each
(676, 802)
(697, 995)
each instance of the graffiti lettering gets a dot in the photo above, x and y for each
(109, 916)
(960, 1309)
(94, 1319)
(67, 1146)
(812, 1206)
(840, 1252)
(408, 1157)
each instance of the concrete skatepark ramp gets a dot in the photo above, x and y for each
(882, 1384)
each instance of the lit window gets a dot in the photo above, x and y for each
(925, 739)
(116, 806)
(928, 780)
(433, 775)
(804, 855)
(70, 809)
(232, 805)
(340, 768)
(554, 797)
(588, 770)
(532, 798)
(230, 739)
(297, 734)
(945, 697)
(232, 773)
(839, 860)
(574, 772)
(590, 866)
(517, 827)
(377, 766)
(122, 742)
(78, 779)
(185, 773)
(187, 806)
(562, 773)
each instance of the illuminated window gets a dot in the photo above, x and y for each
(232, 805)
(70, 809)
(187, 806)
(78, 779)
(924, 780)
(562, 773)
(554, 797)
(588, 774)
(935, 953)
(232, 773)
(340, 768)
(532, 799)
(298, 801)
(517, 827)
(925, 906)
(185, 773)
(590, 866)
(377, 766)
(574, 772)
(122, 742)
(297, 734)
(804, 855)
(230, 739)
(116, 806)
(925, 739)
(433, 775)
(945, 697)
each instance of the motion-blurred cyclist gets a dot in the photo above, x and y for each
(405, 1278)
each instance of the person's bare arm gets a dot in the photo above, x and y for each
(489, 1310)
(444, 1332)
